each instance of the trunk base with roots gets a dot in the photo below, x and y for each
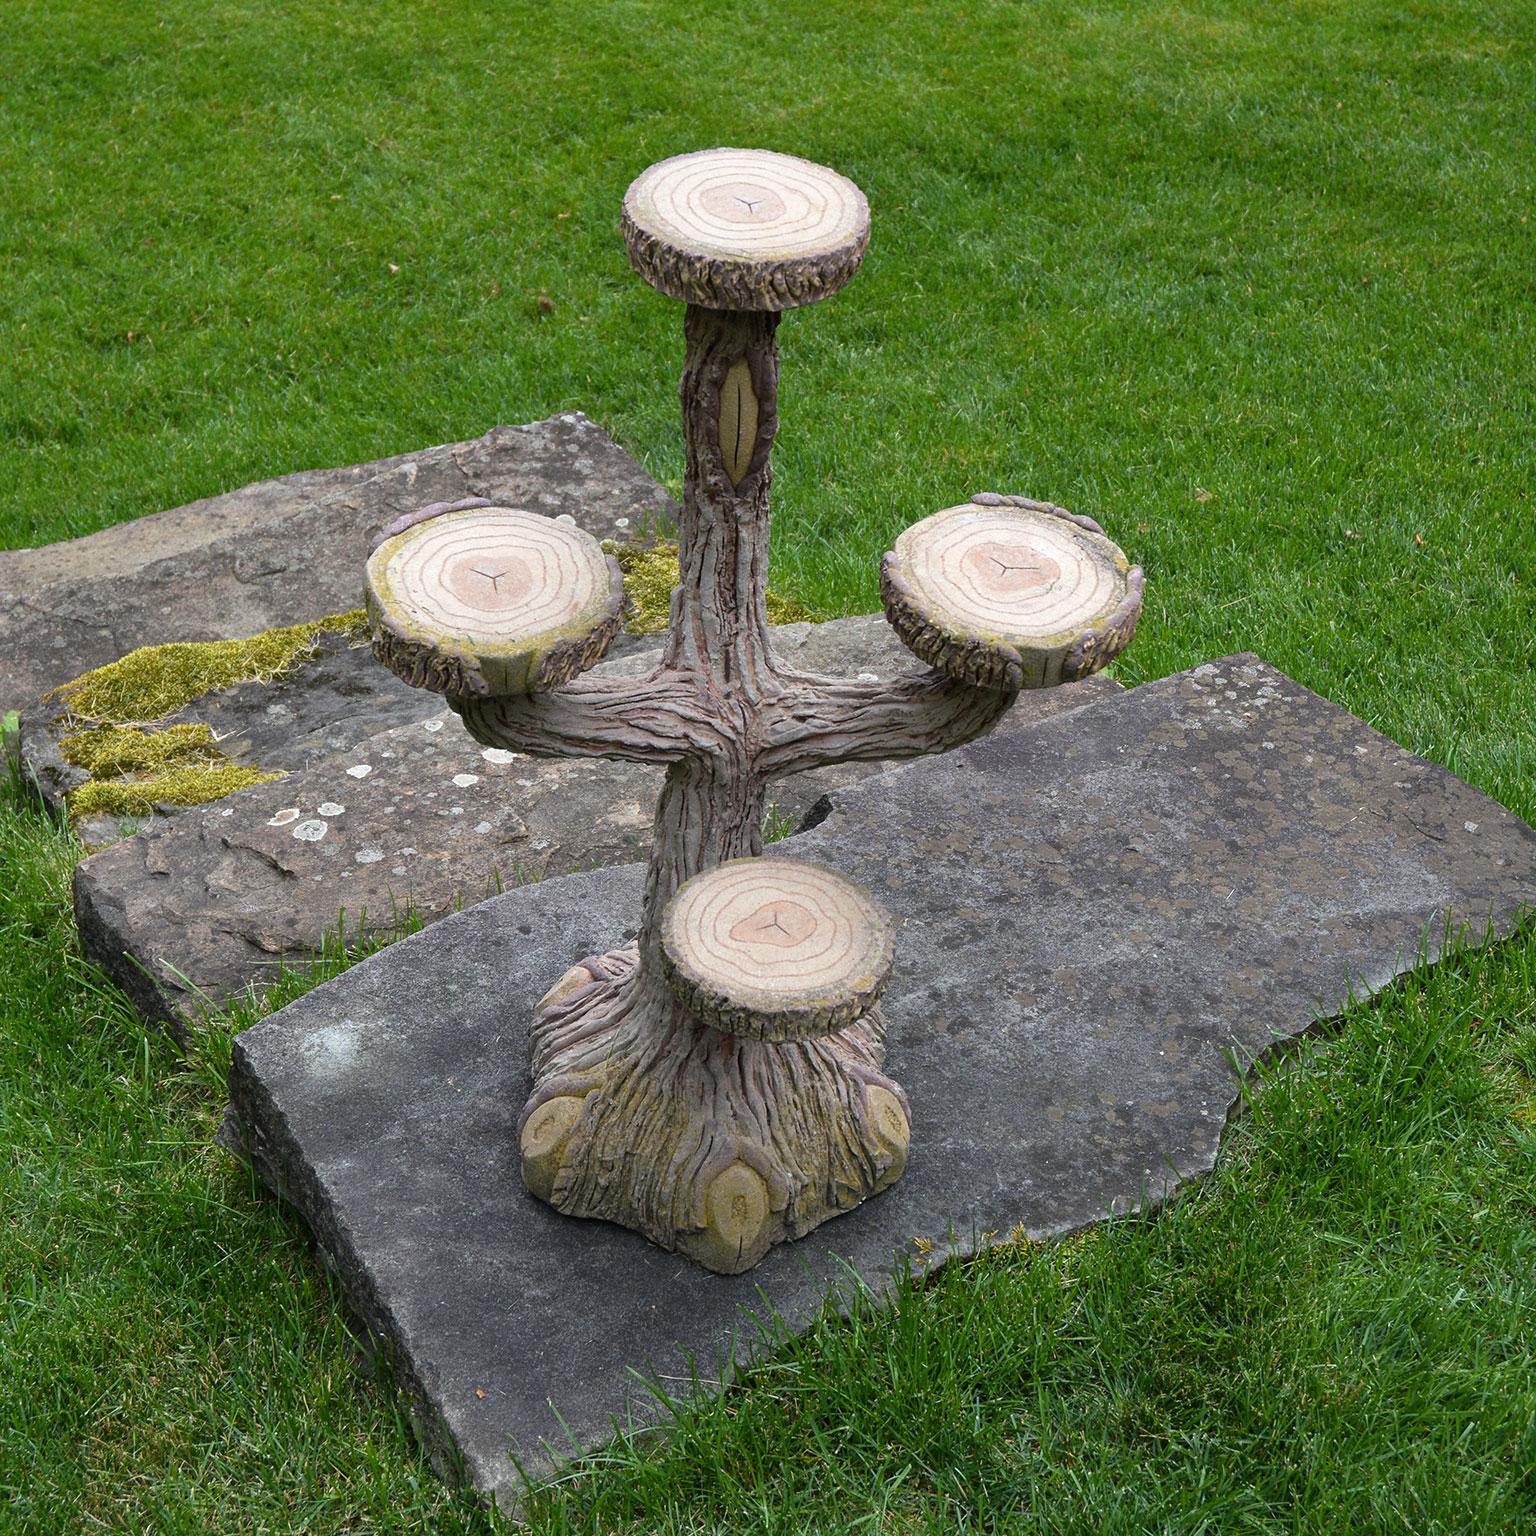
(714, 1146)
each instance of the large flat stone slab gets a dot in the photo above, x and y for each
(1097, 911)
(286, 550)
(204, 904)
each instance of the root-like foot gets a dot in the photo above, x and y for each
(711, 1145)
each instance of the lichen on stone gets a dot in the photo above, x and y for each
(151, 682)
(650, 573)
(135, 765)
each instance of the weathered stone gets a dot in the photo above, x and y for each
(285, 550)
(320, 706)
(327, 703)
(1098, 909)
(203, 904)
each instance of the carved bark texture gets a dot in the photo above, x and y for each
(491, 601)
(681, 1087)
(744, 229)
(1007, 593)
(776, 949)
(710, 1144)
(644, 1110)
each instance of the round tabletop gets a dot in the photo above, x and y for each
(979, 589)
(776, 949)
(744, 229)
(491, 600)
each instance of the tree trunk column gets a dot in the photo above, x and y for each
(729, 394)
(642, 1112)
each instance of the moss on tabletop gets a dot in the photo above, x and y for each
(136, 764)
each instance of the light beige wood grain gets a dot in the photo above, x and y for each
(776, 949)
(1010, 590)
(744, 229)
(491, 601)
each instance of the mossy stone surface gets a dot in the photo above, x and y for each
(331, 695)
(109, 751)
(150, 683)
(133, 771)
(187, 784)
(133, 764)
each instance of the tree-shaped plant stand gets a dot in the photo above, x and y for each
(719, 1085)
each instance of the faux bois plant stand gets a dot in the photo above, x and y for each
(719, 1084)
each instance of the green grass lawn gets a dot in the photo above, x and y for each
(1251, 283)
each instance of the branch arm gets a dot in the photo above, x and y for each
(655, 719)
(828, 720)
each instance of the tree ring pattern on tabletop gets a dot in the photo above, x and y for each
(1007, 592)
(744, 229)
(776, 949)
(488, 600)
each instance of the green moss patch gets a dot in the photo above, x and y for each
(109, 751)
(195, 784)
(649, 576)
(133, 770)
(133, 765)
(150, 683)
